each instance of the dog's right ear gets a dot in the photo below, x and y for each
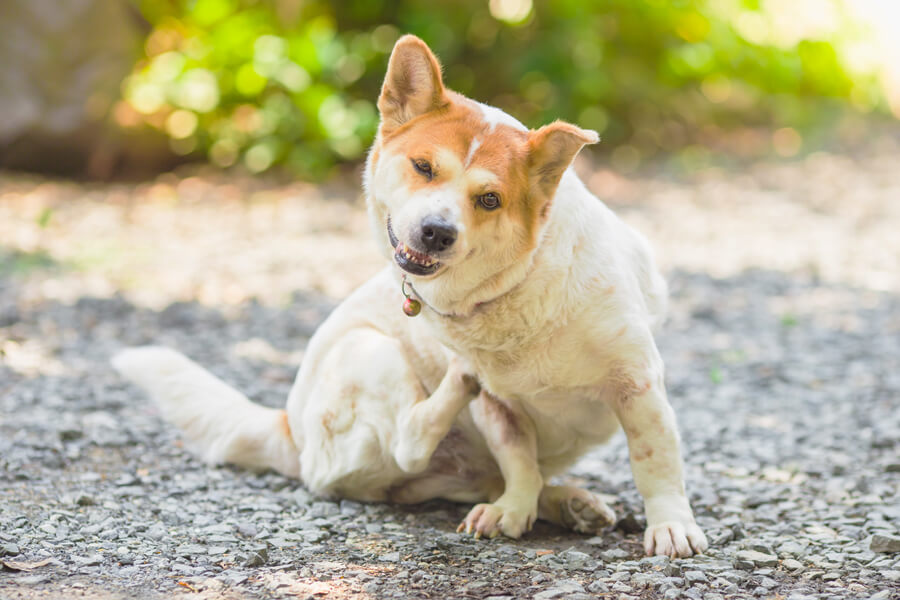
(413, 84)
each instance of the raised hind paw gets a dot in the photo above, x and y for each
(585, 512)
(574, 508)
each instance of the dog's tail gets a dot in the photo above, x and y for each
(219, 422)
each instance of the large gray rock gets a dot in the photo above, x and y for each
(61, 66)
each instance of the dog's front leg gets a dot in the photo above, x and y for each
(654, 449)
(511, 437)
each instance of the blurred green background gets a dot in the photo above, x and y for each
(259, 84)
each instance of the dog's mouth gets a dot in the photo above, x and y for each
(410, 260)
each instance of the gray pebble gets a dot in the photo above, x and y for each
(749, 559)
(885, 543)
(614, 554)
(693, 577)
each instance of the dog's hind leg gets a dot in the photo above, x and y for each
(423, 425)
(574, 508)
(368, 422)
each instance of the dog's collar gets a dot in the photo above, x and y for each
(404, 283)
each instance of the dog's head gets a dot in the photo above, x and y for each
(458, 191)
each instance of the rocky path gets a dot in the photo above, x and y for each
(783, 354)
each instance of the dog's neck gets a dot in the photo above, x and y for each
(481, 297)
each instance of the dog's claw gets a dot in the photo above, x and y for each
(490, 520)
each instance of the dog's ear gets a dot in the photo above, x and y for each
(551, 149)
(413, 84)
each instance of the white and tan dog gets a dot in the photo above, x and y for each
(534, 342)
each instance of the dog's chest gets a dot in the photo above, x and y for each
(536, 364)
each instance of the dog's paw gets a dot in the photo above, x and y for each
(585, 512)
(489, 520)
(674, 539)
(465, 374)
(470, 384)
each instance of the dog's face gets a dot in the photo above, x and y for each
(458, 190)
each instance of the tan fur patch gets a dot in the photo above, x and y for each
(285, 426)
(502, 418)
(644, 452)
(327, 423)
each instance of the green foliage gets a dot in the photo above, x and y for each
(295, 82)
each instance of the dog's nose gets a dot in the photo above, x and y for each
(437, 234)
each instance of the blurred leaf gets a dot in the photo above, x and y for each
(653, 76)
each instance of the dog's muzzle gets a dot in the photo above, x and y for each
(409, 259)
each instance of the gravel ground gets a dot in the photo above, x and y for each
(784, 372)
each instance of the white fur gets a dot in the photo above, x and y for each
(494, 116)
(223, 424)
(473, 148)
(559, 336)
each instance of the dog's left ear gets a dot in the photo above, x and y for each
(551, 149)
(413, 84)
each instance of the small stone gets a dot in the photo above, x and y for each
(644, 579)
(473, 586)
(747, 559)
(791, 548)
(693, 577)
(575, 559)
(539, 577)
(630, 524)
(47, 527)
(562, 588)
(672, 570)
(8, 549)
(85, 500)
(390, 557)
(88, 561)
(156, 532)
(258, 557)
(68, 435)
(370, 588)
(792, 565)
(885, 543)
(614, 554)
(760, 547)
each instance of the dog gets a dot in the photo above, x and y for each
(534, 342)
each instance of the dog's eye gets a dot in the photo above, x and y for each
(423, 167)
(489, 201)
